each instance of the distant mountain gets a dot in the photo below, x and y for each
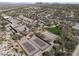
(12, 4)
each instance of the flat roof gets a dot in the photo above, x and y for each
(1, 33)
(49, 35)
(39, 42)
(76, 27)
(25, 18)
(28, 47)
(21, 28)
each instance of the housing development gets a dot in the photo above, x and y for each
(39, 29)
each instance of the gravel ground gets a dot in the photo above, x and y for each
(9, 47)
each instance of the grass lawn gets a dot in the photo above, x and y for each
(54, 30)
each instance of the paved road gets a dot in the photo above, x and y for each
(76, 52)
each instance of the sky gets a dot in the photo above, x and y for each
(39, 0)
